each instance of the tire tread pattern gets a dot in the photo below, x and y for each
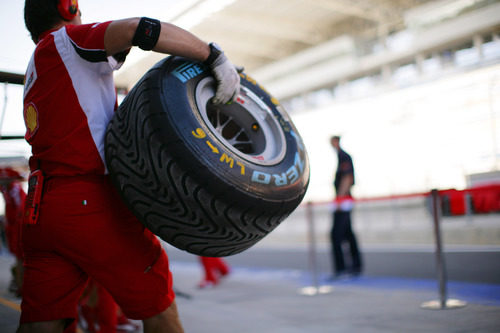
(165, 196)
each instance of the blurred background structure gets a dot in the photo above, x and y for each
(412, 86)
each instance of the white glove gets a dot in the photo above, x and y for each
(228, 80)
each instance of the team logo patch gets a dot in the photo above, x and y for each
(31, 120)
(188, 71)
(29, 78)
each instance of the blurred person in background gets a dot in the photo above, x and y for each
(214, 269)
(99, 313)
(341, 232)
(13, 195)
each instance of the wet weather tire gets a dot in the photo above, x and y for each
(211, 180)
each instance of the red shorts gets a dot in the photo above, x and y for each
(85, 230)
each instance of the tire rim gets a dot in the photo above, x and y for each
(247, 127)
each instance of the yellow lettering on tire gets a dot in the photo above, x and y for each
(242, 167)
(227, 159)
(214, 149)
(199, 133)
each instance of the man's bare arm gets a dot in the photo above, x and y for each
(345, 185)
(173, 40)
(120, 36)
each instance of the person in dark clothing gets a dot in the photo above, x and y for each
(342, 230)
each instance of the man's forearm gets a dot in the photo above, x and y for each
(172, 40)
(345, 185)
(151, 34)
(177, 41)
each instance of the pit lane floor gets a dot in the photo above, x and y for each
(266, 298)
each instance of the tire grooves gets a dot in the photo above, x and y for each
(233, 223)
(169, 198)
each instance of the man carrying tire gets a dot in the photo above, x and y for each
(77, 226)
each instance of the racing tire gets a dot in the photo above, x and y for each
(209, 179)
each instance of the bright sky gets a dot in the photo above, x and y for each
(17, 48)
(16, 42)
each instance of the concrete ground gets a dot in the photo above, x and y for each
(263, 299)
(270, 301)
(265, 290)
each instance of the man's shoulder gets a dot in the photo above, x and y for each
(344, 155)
(89, 35)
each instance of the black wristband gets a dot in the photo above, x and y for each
(215, 51)
(147, 33)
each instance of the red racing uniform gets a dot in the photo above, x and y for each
(14, 196)
(214, 268)
(83, 229)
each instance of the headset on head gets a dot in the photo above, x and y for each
(67, 9)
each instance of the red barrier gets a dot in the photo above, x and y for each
(483, 199)
(486, 198)
(453, 202)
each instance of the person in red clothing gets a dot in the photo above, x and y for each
(214, 268)
(14, 195)
(77, 226)
(99, 313)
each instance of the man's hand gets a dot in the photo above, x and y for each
(228, 80)
(346, 183)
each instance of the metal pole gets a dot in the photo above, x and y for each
(443, 302)
(494, 147)
(468, 207)
(440, 264)
(313, 266)
(396, 217)
(4, 109)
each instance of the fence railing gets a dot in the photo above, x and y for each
(403, 219)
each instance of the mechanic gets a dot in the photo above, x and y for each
(13, 195)
(78, 227)
(214, 268)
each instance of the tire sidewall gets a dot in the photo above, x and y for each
(210, 160)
